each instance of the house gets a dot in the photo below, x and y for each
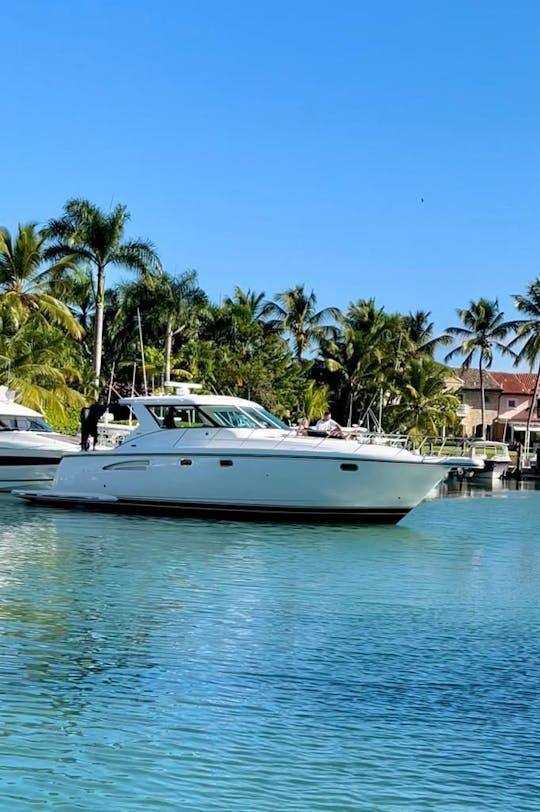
(508, 396)
(517, 393)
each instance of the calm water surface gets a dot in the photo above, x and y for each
(160, 664)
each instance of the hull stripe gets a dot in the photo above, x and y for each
(23, 462)
(237, 512)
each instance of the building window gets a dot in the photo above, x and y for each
(511, 404)
(538, 407)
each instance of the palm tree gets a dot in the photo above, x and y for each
(180, 298)
(296, 315)
(24, 280)
(424, 406)
(528, 334)
(483, 330)
(419, 330)
(315, 399)
(98, 239)
(38, 362)
(170, 305)
(254, 303)
(77, 290)
(364, 353)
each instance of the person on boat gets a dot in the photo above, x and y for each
(326, 425)
(168, 420)
(90, 416)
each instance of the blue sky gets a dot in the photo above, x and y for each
(269, 144)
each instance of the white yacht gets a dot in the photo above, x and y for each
(495, 456)
(219, 456)
(29, 449)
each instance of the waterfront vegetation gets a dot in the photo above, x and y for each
(64, 335)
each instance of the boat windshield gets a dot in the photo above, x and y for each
(179, 417)
(268, 420)
(224, 416)
(232, 417)
(10, 423)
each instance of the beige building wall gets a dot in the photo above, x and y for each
(508, 412)
(471, 410)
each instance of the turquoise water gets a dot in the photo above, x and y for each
(161, 664)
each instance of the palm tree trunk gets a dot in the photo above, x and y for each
(531, 408)
(98, 331)
(168, 348)
(482, 398)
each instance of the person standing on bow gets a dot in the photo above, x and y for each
(90, 416)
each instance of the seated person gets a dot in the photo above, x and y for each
(303, 426)
(326, 425)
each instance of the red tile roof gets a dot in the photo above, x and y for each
(471, 379)
(515, 383)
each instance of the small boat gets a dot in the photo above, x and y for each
(29, 448)
(494, 455)
(218, 456)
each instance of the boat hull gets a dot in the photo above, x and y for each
(491, 471)
(18, 471)
(255, 513)
(278, 487)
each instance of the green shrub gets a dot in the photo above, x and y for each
(69, 424)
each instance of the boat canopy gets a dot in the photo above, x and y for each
(9, 407)
(198, 411)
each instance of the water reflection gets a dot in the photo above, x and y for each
(470, 487)
(236, 666)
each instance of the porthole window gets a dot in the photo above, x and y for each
(349, 466)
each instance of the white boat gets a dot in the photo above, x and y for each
(494, 455)
(225, 456)
(29, 449)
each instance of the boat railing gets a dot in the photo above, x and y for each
(380, 438)
(463, 447)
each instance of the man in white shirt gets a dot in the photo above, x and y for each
(329, 426)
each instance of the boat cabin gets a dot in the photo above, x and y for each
(198, 411)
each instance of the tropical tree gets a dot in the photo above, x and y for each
(254, 304)
(25, 279)
(44, 368)
(316, 399)
(169, 306)
(528, 335)
(98, 239)
(424, 404)
(294, 313)
(181, 299)
(236, 354)
(484, 330)
(419, 330)
(77, 290)
(363, 355)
